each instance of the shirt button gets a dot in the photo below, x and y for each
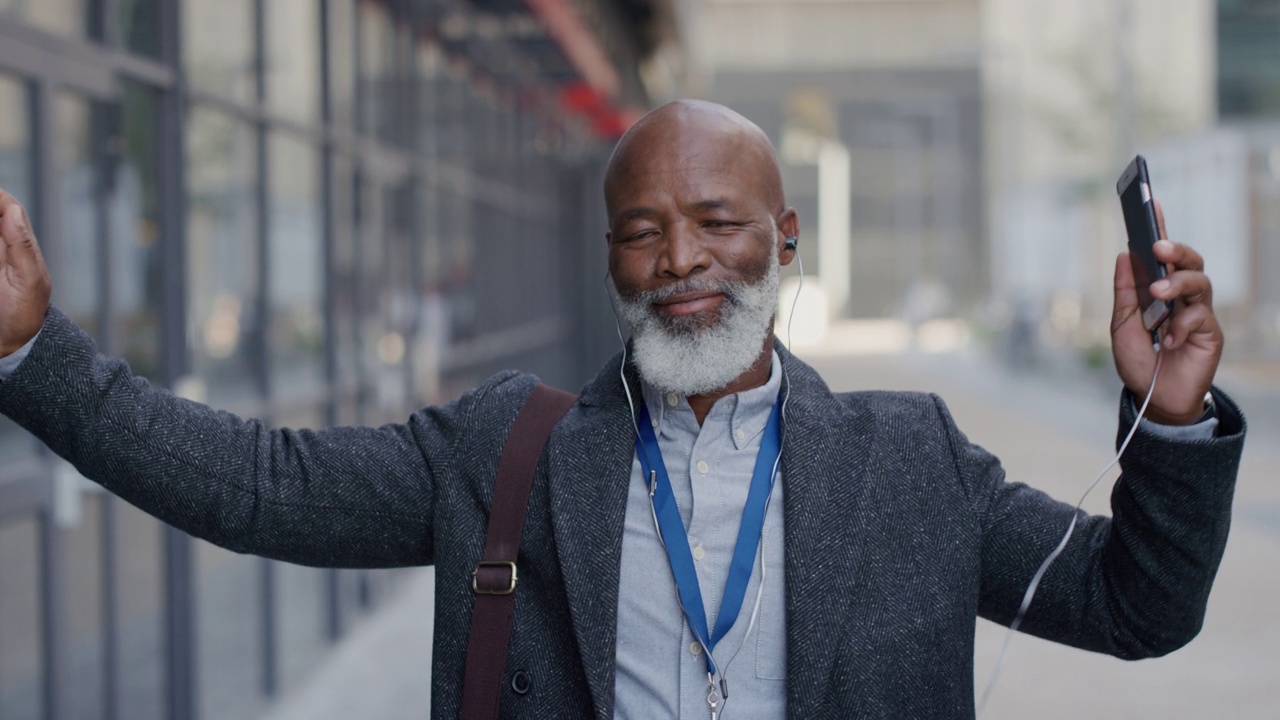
(703, 467)
(740, 434)
(672, 400)
(695, 648)
(699, 553)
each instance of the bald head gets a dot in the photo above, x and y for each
(688, 135)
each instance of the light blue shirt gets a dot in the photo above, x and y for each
(661, 671)
(9, 363)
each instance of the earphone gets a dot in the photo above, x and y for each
(791, 243)
(1066, 537)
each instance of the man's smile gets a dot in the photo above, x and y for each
(690, 303)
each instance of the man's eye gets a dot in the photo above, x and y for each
(641, 235)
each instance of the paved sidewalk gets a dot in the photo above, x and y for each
(381, 670)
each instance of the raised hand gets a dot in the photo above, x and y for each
(1191, 341)
(25, 285)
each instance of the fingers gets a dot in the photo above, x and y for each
(1189, 286)
(20, 251)
(1187, 281)
(1180, 256)
(6, 204)
(1188, 322)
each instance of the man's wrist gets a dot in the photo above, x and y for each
(10, 361)
(1206, 412)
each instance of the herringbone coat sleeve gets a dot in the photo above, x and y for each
(343, 497)
(1132, 585)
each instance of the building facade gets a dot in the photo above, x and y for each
(876, 111)
(308, 211)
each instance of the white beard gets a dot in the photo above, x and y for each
(687, 357)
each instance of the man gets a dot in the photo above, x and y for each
(885, 532)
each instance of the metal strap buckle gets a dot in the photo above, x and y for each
(510, 588)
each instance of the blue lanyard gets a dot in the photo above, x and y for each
(676, 539)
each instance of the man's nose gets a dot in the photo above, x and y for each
(683, 253)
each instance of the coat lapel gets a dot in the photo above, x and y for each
(590, 466)
(824, 504)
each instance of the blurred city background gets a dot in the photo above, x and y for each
(335, 211)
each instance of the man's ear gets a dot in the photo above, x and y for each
(788, 235)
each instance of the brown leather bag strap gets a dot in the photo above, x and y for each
(494, 580)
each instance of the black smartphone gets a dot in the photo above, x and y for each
(1139, 209)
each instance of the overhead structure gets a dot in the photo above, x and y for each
(588, 54)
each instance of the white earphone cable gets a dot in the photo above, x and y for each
(786, 396)
(1062, 544)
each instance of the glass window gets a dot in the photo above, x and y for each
(222, 255)
(377, 71)
(1248, 59)
(378, 346)
(84, 573)
(476, 131)
(22, 661)
(139, 568)
(455, 262)
(343, 285)
(402, 302)
(139, 26)
(137, 289)
(385, 300)
(75, 259)
(64, 17)
(15, 138)
(15, 178)
(430, 68)
(342, 60)
(296, 332)
(217, 42)
(293, 59)
(229, 632)
(453, 121)
(432, 337)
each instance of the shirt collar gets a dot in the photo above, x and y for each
(746, 412)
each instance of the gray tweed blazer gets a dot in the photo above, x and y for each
(899, 532)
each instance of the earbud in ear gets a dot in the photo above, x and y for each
(791, 242)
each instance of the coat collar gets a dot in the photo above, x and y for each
(590, 465)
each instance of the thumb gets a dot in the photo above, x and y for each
(21, 260)
(21, 253)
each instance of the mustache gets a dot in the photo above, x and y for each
(731, 289)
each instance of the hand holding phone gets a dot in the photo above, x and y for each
(1189, 340)
(1138, 204)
